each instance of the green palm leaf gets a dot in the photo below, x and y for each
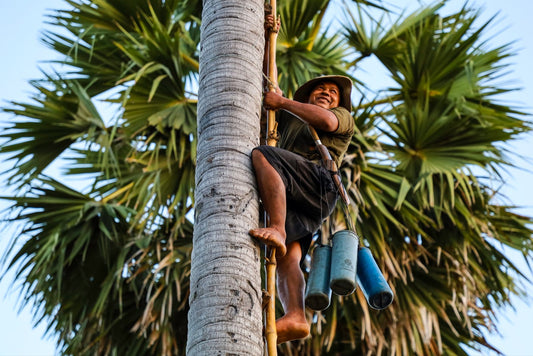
(68, 115)
(108, 268)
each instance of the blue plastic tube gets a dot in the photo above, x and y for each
(318, 293)
(373, 285)
(344, 262)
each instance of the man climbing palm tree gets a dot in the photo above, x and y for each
(296, 189)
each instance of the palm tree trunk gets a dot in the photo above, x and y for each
(225, 302)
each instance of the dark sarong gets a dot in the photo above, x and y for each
(310, 193)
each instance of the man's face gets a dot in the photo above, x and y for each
(325, 95)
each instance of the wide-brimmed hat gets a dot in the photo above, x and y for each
(344, 84)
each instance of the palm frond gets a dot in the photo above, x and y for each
(61, 116)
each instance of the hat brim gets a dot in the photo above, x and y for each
(344, 84)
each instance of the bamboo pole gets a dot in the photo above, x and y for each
(272, 136)
(271, 139)
(270, 329)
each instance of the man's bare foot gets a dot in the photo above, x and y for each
(271, 236)
(291, 328)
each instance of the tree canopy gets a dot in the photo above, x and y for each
(106, 266)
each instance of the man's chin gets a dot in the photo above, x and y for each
(322, 103)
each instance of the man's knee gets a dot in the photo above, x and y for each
(292, 257)
(258, 159)
(256, 153)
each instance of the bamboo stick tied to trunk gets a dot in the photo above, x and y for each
(272, 133)
(271, 139)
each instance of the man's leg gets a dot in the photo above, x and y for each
(291, 285)
(272, 192)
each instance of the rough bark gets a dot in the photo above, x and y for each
(225, 315)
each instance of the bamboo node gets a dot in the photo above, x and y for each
(273, 135)
(265, 299)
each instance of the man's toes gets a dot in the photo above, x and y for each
(257, 233)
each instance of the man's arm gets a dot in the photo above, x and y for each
(316, 116)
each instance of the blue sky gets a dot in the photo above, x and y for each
(21, 23)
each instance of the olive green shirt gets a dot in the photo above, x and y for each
(295, 136)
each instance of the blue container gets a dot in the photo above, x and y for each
(377, 292)
(344, 262)
(318, 293)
